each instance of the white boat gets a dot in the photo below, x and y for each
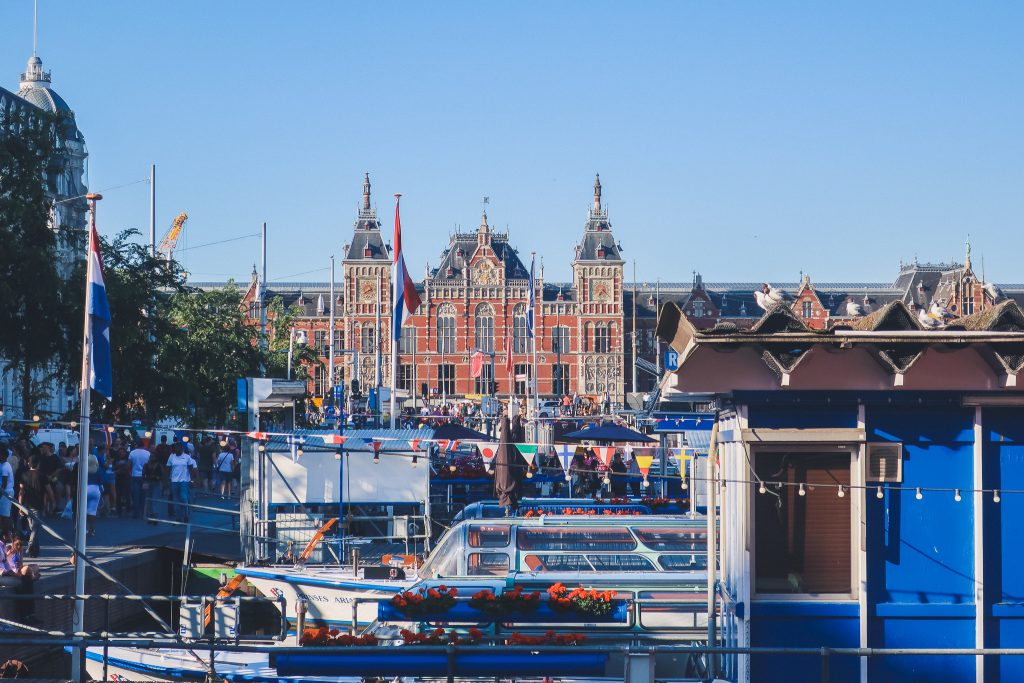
(334, 596)
(131, 664)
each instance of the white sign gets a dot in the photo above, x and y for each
(314, 478)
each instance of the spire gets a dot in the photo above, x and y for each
(366, 192)
(597, 192)
(484, 228)
(967, 259)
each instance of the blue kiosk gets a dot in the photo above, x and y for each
(870, 487)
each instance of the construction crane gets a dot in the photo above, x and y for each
(171, 238)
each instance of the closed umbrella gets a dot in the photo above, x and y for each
(509, 469)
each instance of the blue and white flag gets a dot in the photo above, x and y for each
(100, 367)
(529, 308)
(565, 456)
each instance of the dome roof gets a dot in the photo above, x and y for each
(45, 99)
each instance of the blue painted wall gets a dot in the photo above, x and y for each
(1003, 468)
(803, 624)
(921, 552)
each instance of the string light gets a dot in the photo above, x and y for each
(995, 496)
(36, 418)
(337, 455)
(414, 460)
(878, 493)
(111, 429)
(957, 497)
(376, 459)
(685, 485)
(762, 488)
(184, 439)
(223, 443)
(262, 448)
(74, 425)
(606, 479)
(149, 434)
(802, 492)
(919, 495)
(842, 492)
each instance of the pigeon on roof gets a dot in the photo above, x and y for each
(769, 297)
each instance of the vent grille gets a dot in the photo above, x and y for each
(885, 462)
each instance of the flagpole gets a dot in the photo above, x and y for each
(535, 373)
(81, 493)
(396, 330)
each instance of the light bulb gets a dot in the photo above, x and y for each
(645, 483)
(956, 496)
(262, 448)
(414, 459)
(36, 418)
(761, 488)
(568, 477)
(109, 429)
(918, 495)
(148, 434)
(802, 492)
(842, 492)
(223, 443)
(184, 439)
(878, 493)
(685, 485)
(529, 474)
(74, 425)
(337, 455)
(298, 451)
(607, 480)
(451, 468)
(995, 496)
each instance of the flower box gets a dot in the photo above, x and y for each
(462, 613)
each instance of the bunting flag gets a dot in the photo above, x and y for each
(604, 454)
(259, 436)
(414, 444)
(376, 445)
(528, 451)
(643, 459)
(488, 452)
(334, 439)
(531, 305)
(684, 458)
(442, 444)
(565, 456)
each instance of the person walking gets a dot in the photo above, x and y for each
(138, 459)
(224, 473)
(182, 468)
(6, 491)
(35, 487)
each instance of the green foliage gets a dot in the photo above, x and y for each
(33, 336)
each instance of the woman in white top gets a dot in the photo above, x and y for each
(224, 467)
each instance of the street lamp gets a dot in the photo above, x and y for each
(295, 337)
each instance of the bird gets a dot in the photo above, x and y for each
(927, 320)
(993, 291)
(769, 297)
(854, 309)
(939, 312)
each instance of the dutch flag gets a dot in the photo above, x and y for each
(532, 302)
(100, 367)
(403, 291)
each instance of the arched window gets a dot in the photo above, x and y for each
(368, 340)
(613, 336)
(519, 329)
(484, 326)
(601, 338)
(446, 329)
(587, 327)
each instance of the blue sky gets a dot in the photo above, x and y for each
(748, 141)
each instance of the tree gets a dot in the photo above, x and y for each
(210, 348)
(35, 326)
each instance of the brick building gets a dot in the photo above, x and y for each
(476, 298)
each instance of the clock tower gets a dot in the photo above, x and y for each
(597, 273)
(366, 277)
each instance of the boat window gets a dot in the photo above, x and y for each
(488, 536)
(444, 559)
(672, 539)
(487, 564)
(557, 563)
(683, 562)
(597, 538)
(621, 563)
(674, 610)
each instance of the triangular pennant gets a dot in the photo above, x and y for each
(260, 436)
(335, 439)
(488, 452)
(453, 445)
(604, 454)
(528, 451)
(443, 444)
(414, 444)
(643, 459)
(565, 456)
(376, 445)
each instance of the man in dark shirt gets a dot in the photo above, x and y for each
(35, 487)
(206, 454)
